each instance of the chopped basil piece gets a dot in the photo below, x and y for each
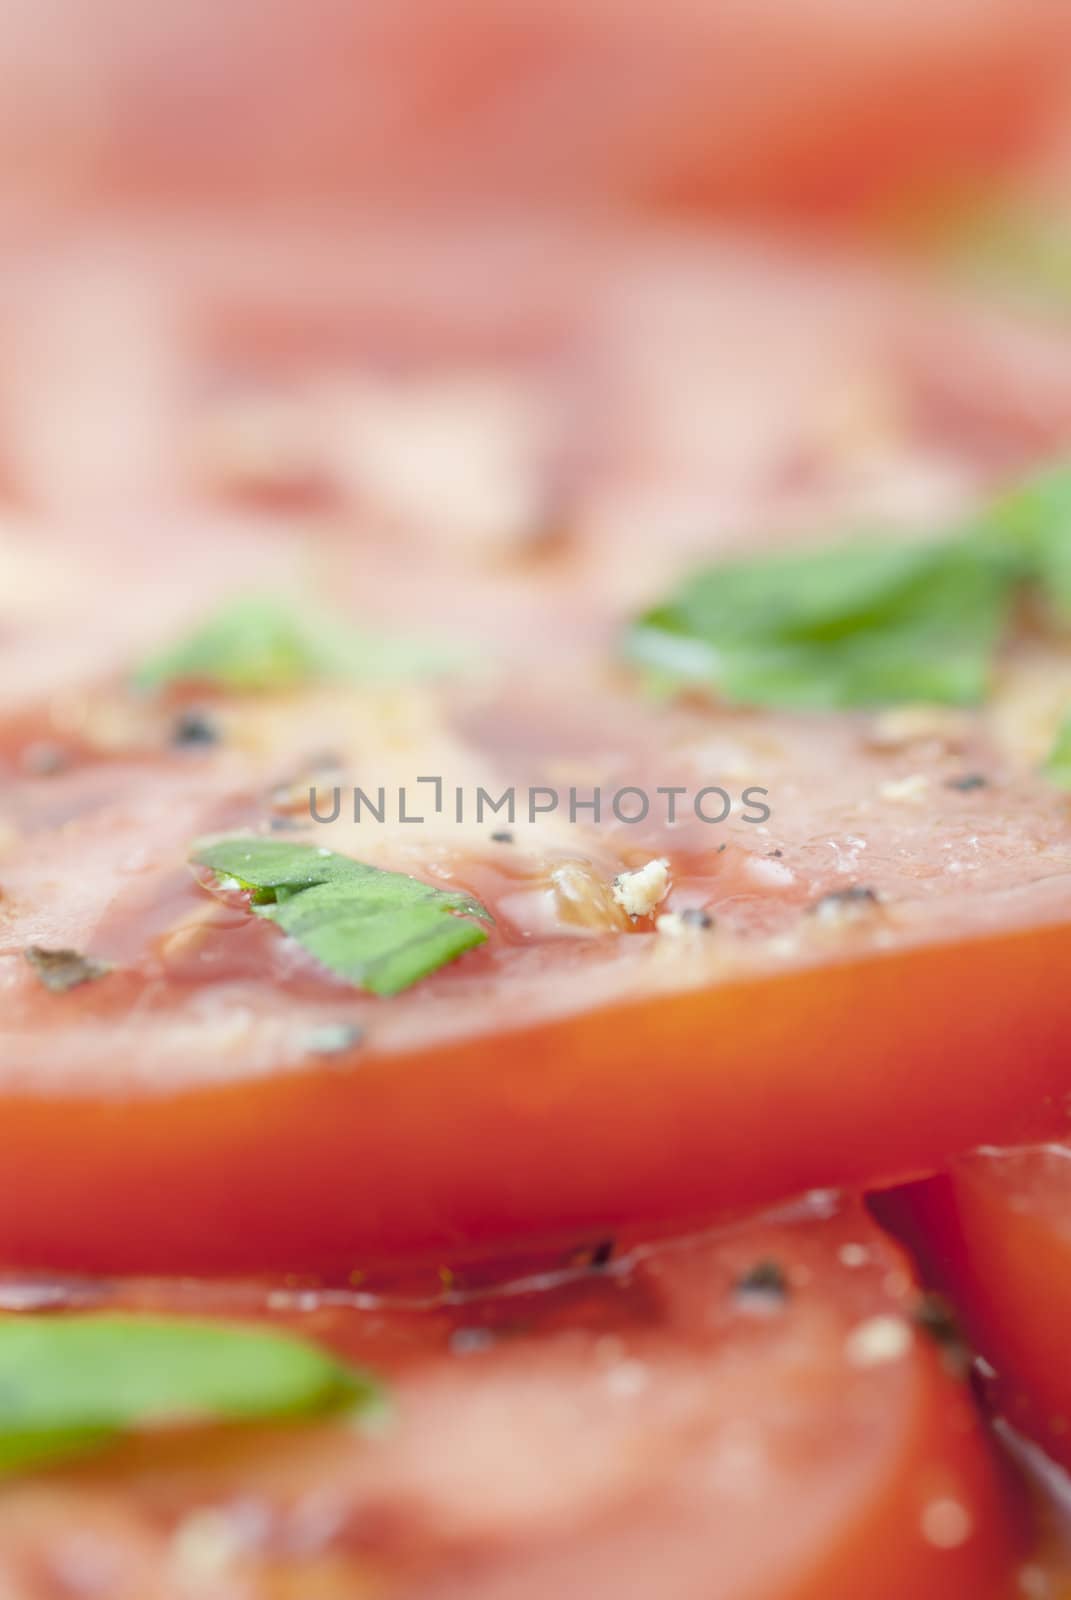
(867, 623)
(60, 970)
(1033, 522)
(69, 1384)
(379, 930)
(1058, 765)
(265, 642)
(862, 624)
(1015, 246)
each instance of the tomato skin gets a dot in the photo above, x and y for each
(821, 105)
(654, 1114)
(994, 1234)
(621, 1432)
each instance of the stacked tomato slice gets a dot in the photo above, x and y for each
(533, 1190)
(992, 1232)
(610, 1431)
(820, 106)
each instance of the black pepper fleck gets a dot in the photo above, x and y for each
(44, 760)
(856, 894)
(936, 1317)
(969, 781)
(766, 1279)
(696, 917)
(194, 728)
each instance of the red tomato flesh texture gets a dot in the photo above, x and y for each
(995, 1233)
(176, 1115)
(818, 105)
(654, 1426)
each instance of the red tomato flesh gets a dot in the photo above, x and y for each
(995, 1233)
(820, 105)
(645, 404)
(654, 1426)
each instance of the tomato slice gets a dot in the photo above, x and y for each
(807, 1037)
(995, 1233)
(605, 1432)
(440, 1153)
(801, 1038)
(822, 104)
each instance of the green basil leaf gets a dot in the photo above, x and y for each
(70, 1384)
(1034, 522)
(379, 930)
(265, 642)
(1058, 764)
(1014, 246)
(863, 624)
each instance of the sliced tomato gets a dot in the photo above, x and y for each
(179, 1132)
(820, 104)
(621, 1432)
(882, 984)
(802, 1038)
(995, 1232)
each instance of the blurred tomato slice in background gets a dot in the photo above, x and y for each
(815, 105)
